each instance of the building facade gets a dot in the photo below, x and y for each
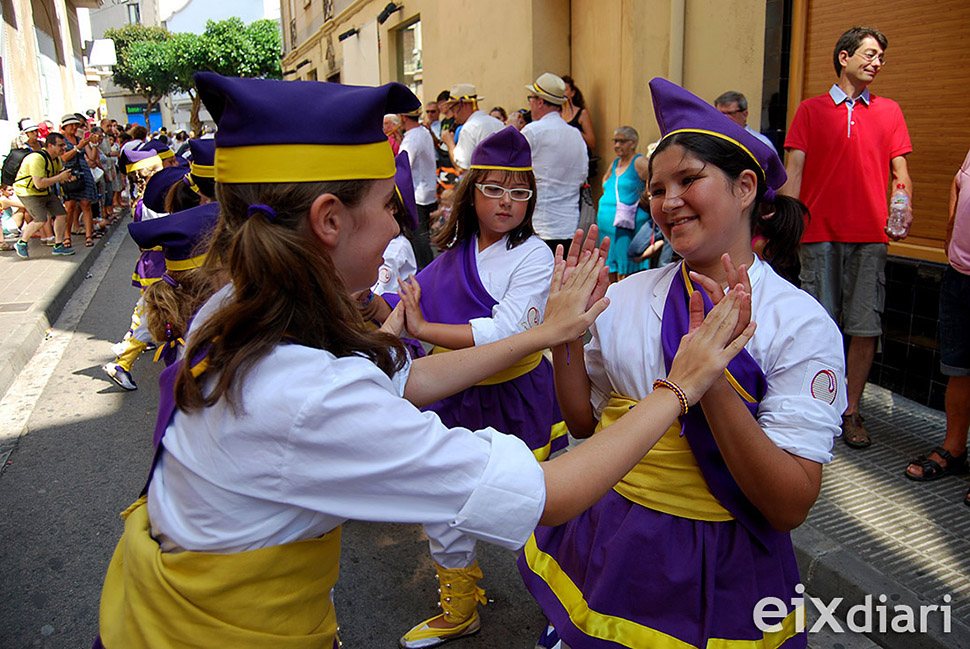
(122, 104)
(776, 52)
(43, 74)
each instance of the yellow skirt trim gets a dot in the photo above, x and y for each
(557, 431)
(627, 632)
(524, 366)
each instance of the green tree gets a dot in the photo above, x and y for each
(230, 48)
(144, 62)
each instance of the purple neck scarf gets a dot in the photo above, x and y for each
(675, 323)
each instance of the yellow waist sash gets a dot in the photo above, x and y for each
(270, 597)
(668, 478)
(524, 366)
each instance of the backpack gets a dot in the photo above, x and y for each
(11, 165)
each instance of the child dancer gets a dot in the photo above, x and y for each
(290, 418)
(170, 303)
(684, 547)
(168, 189)
(491, 282)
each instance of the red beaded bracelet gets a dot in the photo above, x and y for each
(673, 387)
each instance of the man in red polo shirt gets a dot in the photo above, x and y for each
(844, 148)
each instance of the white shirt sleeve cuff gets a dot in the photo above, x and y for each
(506, 506)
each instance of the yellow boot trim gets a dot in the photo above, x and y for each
(460, 594)
(133, 347)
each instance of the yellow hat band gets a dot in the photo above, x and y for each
(501, 168)
(144, 164)
(184, 264)
(203, 171)
(299, 163)
(166, 154)
(721, 136)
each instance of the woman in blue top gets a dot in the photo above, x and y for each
(618, 216)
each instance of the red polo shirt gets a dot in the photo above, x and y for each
(847, 171)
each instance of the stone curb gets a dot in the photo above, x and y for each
(829, 571)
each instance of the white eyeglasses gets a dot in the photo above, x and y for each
(497, 191)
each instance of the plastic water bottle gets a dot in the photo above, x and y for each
(897, 211)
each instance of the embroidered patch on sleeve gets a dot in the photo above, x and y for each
(822, 382)
(531, 318)
(384, 275)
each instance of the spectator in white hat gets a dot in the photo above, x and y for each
(559, 159)
(476, 125)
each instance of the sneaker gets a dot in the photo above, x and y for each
(151, 346)
(120, 375)
(21, 247)
(60, 250)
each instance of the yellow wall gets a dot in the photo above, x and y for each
(611, 47)
(498, 46)
(617, 47)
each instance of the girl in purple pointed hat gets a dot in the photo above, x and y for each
(686, 545)
(491, 282)
(286, 418)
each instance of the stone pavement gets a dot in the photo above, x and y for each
(32, 294)
(875, 532)
(872, 533)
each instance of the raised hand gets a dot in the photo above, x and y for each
(735, 277)
(394, 324)
(711, 343)
(569, 311)
(410, 294)
(577, 247)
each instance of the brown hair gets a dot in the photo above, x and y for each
(463, 222)
(168, 309)
(286, 288)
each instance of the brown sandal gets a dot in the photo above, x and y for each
(933, 470)
(854, 433)
(67, 241)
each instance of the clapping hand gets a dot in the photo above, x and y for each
(737, 277)
(579, 246)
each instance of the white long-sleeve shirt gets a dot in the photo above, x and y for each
(561, 163)
(325, 439)
(796, 344)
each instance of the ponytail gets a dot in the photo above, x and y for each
(782, 225)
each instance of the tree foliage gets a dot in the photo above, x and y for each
(153, 62)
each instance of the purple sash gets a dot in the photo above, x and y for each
(675, 323)
(458, 294)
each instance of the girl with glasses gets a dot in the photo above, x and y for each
(502, 270)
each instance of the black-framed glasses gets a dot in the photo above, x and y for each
(732, 112)
(531, 97)
(497, 191)
(618, 140)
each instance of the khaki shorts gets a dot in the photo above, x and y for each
(849, 280)
(39, 206)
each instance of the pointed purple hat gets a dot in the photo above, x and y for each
(508, 150)
(342, 139)
(138, 159)
(181, 235)
(161, 149)
(404, 185)
(158, 185)
(679, 111)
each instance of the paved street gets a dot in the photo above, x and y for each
(86, 451)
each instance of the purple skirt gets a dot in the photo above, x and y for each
(525, 407)
(689, 579)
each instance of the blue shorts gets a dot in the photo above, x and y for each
(954, 315)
